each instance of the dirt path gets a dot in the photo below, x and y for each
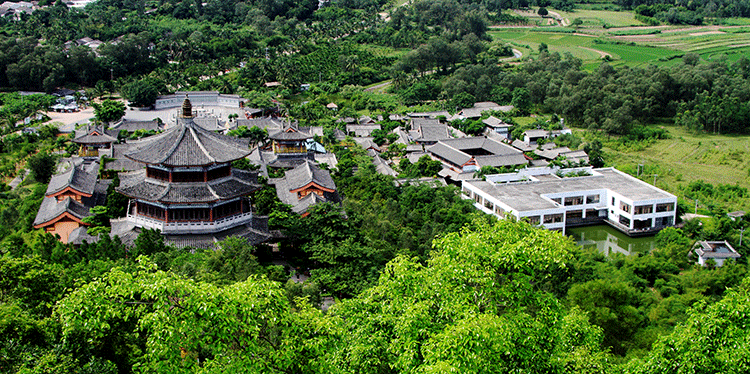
(602, 54)
(378, 86)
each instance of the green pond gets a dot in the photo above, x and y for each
(608, 240)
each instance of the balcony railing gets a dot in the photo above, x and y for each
(182, 227)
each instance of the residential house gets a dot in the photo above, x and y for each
(718, 251)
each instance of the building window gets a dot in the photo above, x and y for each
(592, 199)
(664, 221)
(613, 201)
(499, 210)
(668, 207)
(643, 209)
(625, 221)
(553, 218)
(574, 200)
(534, 220)
(488, 204)
(557, 200)
(624, 207)
(574, 214)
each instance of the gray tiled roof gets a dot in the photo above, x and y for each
(51, 209)
(79, 235)
(80, 178)
(715, 249)
(417, 122)
(93, 135)
(136, 185)
(367, 143)
(449, 154)
(501, 160)
(493, 122)
(308, 172)
(489, 151)
(362, 130)
(382, 167)
(519, 144)
(210, 123)
(433, 132)
(270, 124)
(299, 177)
(120, 162)
(132, 126)
(289, 135)
(188, 144)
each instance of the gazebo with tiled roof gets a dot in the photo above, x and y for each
(188, 185)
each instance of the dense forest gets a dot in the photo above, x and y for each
(422, 281)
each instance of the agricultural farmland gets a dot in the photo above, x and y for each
(622, 39)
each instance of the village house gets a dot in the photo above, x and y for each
(607, 195)
(69, 198)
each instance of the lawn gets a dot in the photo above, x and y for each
(717, 159)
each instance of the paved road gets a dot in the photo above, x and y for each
(18, 179)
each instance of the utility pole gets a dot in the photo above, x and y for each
(742, 231)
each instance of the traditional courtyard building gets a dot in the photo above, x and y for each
(305, 186)
(94, 141)
(69, 198)
(188, 189)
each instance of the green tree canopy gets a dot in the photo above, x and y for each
(109, 110)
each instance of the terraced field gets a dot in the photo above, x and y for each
(633, 46)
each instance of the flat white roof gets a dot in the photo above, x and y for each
(527, 196)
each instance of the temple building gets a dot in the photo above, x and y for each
(69, 198)
(305, 186)
(94, 141)
(188, 189)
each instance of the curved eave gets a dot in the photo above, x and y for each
(59, 217)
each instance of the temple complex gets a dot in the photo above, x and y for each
(189, 188)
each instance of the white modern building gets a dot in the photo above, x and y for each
(544, 197)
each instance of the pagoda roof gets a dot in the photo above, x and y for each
(78, 178)
(51, 210)
(289, 133)
(188, 144)
(93, 135)
(307, 173)
(137, 185)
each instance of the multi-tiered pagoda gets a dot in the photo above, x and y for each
(189, 189)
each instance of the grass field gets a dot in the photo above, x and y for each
(602, 17)
(717, 159)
